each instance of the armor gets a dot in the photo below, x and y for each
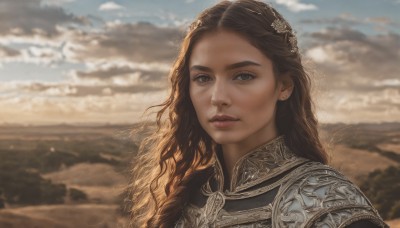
(273, 187)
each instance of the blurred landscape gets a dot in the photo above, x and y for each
(74, 176)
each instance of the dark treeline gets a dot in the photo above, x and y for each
(21, 167)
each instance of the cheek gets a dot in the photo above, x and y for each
(198, 103)
(192, 98)
(259, 99)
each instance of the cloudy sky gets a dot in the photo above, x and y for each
(98, 61)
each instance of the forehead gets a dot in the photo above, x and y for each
(225, 47)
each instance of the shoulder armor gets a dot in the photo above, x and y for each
(318, 195)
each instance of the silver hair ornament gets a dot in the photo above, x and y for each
(282, 27)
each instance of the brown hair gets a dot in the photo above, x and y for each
(177, 157)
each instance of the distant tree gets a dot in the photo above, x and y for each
(52, 193)
(382, 187)
(22, 187)
(2, 204)
(54, 161)
(77, 195)
(395, 211)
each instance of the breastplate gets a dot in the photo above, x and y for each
(273, 187)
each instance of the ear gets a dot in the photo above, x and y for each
(286, 86)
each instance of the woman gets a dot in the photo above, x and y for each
(237, 142)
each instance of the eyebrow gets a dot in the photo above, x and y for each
(229, 67)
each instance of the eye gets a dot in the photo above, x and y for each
(244, 77)
(202, 78)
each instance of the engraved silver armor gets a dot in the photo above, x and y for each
(273, 187)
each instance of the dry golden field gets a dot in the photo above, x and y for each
(391, 147)
(63, 216)
(394, 223)
(357, 163)
(100, 182)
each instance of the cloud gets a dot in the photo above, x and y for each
(52, 38)
(121, 75)
(33, 54)
(56, 2)
(359, 74)
(105, 79)
(355, 47)
(354, 107)
(380, 20)
(141, 42)
(110, 6)
(115, 42)
(388, 82)
(296, 6)
(117, 108)
(6, 52)
(344, 19)
(111, 92)
(106, 73)
(120, 85)
(21, 18)
(348, 20)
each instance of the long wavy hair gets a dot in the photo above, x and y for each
(176, 159)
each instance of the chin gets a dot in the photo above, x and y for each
(225, 139)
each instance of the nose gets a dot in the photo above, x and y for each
(220, 95)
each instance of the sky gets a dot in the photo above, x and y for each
(98, 61)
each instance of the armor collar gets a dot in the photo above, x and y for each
(259, 165)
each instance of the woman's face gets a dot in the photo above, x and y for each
(233, 89)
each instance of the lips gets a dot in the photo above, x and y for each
(223, 121)
(223, 118)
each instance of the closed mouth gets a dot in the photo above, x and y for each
(223, 118)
